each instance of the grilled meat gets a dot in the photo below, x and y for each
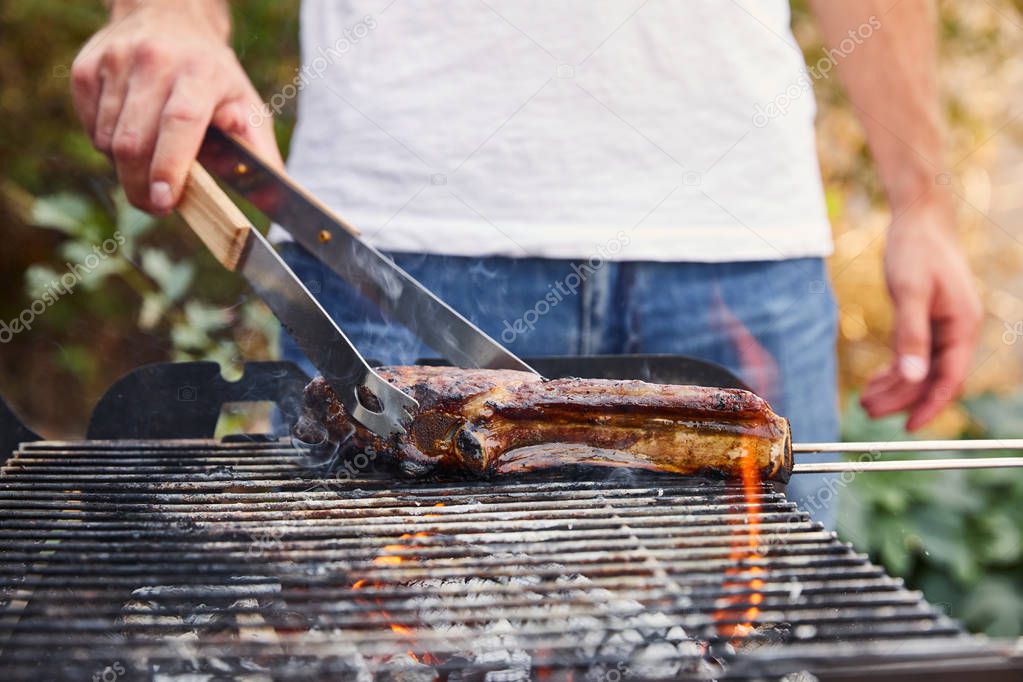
(489, 422)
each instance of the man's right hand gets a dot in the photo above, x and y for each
(148, 84)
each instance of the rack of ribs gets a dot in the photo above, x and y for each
(482, 423)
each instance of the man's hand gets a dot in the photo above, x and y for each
(937, 316)
(148, 85)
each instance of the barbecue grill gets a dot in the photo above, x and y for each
(134, 555)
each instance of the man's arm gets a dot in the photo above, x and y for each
(150, 82)
(887, 62)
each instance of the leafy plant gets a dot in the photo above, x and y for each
(955, 535)
(162, 285)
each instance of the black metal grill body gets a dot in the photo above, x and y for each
(153, 560)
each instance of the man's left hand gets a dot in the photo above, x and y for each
(937, 316)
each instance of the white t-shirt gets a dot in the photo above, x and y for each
(661, 130)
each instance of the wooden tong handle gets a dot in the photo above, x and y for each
(214, 217)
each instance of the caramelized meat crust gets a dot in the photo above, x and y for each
(490, 422)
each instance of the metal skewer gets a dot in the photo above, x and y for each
(912, 445)
(907, 465)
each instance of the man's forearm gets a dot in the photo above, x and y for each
(216, 13)
(890, 77)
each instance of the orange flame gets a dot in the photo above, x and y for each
(745, 552)
(760, 370)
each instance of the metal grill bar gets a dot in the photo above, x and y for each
(196, 557)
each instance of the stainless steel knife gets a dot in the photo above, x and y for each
(338, 245)
(241, 248)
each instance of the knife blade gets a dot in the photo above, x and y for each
(241, 248)
(338, 245)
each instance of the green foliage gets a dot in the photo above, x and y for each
(955, 535)
(197, 329)
(161, 297)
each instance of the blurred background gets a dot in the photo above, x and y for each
(958, 536)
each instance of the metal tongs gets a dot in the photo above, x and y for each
(241, 248)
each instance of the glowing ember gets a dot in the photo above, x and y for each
(391, 559)
(400, 547)
(427, 657)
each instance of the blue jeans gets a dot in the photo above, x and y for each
(771, 322)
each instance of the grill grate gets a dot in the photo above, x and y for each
(159, 559)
